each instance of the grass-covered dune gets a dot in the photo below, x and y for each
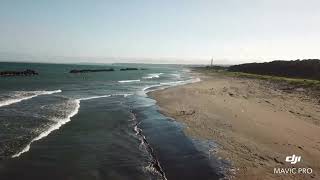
(306, 69)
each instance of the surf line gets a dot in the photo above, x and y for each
(23, 98)
(59, 123)
(154, 164)
(153, 75)
(129, 81)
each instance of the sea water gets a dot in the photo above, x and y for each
(99, 125)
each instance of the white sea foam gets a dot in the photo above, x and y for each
(176, 75)
(94, 97)
(124, 95)
(25, 95)
(104, 96)
(168, 84)
(148, 88)
(129, 81)
(59, 123)
(152, 76)
(175, 83)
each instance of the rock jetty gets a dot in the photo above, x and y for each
(90, 70)
(27, 72)
(129, 69)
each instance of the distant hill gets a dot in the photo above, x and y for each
(307, 69)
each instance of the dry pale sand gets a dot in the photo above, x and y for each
(255, 123)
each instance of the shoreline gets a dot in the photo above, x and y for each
(255, 124)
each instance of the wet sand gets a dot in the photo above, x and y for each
(256, 123)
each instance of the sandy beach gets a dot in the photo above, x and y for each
(255, 123)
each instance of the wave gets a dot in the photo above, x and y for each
(148, 88)
(124, 95)
(25, 95)
(154, 165)
(176, 75)
(152, 76)
(129, 81)
(168, 84)
(175, 83)
(59, 123)
(104, 96)
(93, 97)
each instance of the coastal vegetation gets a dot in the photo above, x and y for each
(305, 69)
(303, 73)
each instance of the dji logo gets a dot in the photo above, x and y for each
(293, 159)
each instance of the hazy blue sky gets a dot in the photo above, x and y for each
(177, 31)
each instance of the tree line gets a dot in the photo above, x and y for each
(307, 68)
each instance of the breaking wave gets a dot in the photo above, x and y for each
(154, 165)
(93, 97)
(129, 81)
(124, 95)
(25, 95)
(175, 83)
(72, 111)
(59, 122)
(168, 84)
(152, 76)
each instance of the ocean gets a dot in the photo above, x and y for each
(98, 125)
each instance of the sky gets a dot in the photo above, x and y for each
(159, 31)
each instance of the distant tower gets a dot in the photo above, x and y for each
(211, 62)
